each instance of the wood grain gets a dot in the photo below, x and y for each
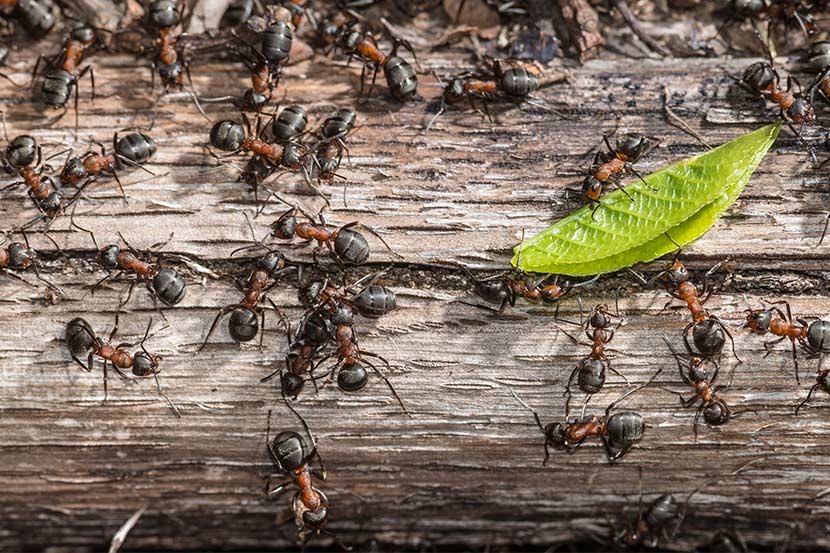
(465, 470)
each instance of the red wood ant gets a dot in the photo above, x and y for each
(61, 73)
(345, 244)
(772, 320)
(290, 456)
(19, 257)
(715, 411)
(618, 432)
(708, 332)
(80, 338)
(400, 76)
(609, 167)
(590, 371)
(243, 324)
(23, 156)
(817, 344)
(312, 336)
(133, 149)
(164, 284)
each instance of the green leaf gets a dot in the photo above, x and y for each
(684, 199)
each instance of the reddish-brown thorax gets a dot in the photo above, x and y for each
(610, 167)
(308, 496)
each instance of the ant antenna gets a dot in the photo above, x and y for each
(630, 392)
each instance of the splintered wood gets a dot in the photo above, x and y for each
(466, 469)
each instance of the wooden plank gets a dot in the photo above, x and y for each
(466, 469)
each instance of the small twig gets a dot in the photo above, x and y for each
(631, 19)
(121, 536)
(675, 119)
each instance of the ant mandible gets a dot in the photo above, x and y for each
(80, 339)
(618, 432)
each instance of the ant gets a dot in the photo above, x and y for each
(618, 432)
(653, 525)
(400, 76)
(715, 411)
(504, 288)
(590, 371)
(291, 457)
(332, 143)
(243, 324)
(61, 74)
(817, 344)
(24, 156)
(515, 84)
(133, 149)
(785, 11)
(609, 167)
(311, 339)
(372, 301)
(166, 285)
(80, 338)
(352, 375)
(232, 137)
(19, 257)
(708, 332)
(345, 244)
(773, 320)
(37, 17)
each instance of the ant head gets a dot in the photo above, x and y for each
(553, 292)
(253, 99)
(311, 295)
(342, 315)
(316, 519)
(286, 226)
(758, 319)
(53, 203)
(163, 14)
(108, 257)
(289, 450)
(454, 90)
(759, 76)
(20, 257)
(716, 413)
(227, 136)
(747, 8)
(818, 336)
(22, 151)
(74, 171)
(819, 55)
(292, 384)
(171, 73)
(328, 167)
(591, 188)
(84, 34)
(145, 364)
(600, 317)
(823, 380)
(352, 377)
(677, 273)
(801, 111)
(293, 156)
(271, 263)
(555, 435)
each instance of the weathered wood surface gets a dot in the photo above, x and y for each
(465, 470)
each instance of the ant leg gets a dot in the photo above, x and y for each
(640, 176)
(620, 187)
(162, 394)
(689, 349)
(618, 373)
(222, 312)
(81, 364)
(732, 340)
(697, 420)
(129, 294)
(383, 376)
(633, 391)
(807, 399)
(567, 392)
(105, 380)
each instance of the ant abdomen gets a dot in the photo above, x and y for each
(709, 337)
(276, 42)
(351, 246)
(291, 122)
(243, 324)
(591, 375)
(716, 413)
(22, 151)
(144, 365)
(518, 82)
(400, 78)
(818, 336)
(79, 336)
(289, 449)
(227, 136)
(352, 377)
(662, 510)
(623, 431)
(169, 286)
(136, 147)
(375, 301)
